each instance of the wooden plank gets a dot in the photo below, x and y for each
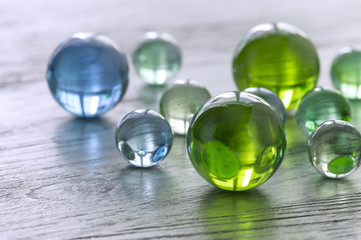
(62, 177)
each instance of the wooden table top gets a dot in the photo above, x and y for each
(62, 178)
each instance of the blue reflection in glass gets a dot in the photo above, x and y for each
(143, 138)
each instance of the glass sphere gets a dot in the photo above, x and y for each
(279, 57)
(87, 74)
(143, 138)
(319, 106)
(236, 141)
(157, 58)
(270, 97)
(180, 102)
(346, 73)
(334, 149)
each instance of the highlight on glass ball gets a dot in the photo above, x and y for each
(236, 141)
(345, 72)
(319, 106)
(88, 74)
(143, 138)
(270, 97)
(157, 58)
(279, 57)
(181, 101)
(334, 149)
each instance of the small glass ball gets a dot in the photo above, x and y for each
(279, 57)
(334, 149)
(157, 58)
(270, 97)
(87, 74)
(319, 106)
(236, 141)
(143, 138)
(345, 73)
(180, 102)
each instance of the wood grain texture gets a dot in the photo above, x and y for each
(62, 177)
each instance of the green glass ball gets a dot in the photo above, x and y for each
(180, 102)
(236, 141)
(279, 57)
(346, 73)
(157, 58)
(334, 149)
(319, 106)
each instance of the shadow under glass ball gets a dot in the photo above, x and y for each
(270, 97)
(334, 149)
(180, 102)
(236, 141)
(346, 72)
(157, 58)
(279, 57)
(320, 105)
(87, 74)
(143, 138)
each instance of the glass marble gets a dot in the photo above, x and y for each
(181, 101)
(279, 57)
(157, 58)
(346, 72)
(270, 97)
(143, 138)
(319, 106)
(87, 74)
(334, 149)
(236, 141)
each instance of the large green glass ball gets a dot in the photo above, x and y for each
(346, 73)
(319, 106)
(279, 57)
(236, 141)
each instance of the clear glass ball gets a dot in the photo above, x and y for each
(143, 138)
(87, 74)
(270, 97)
(334, 149)
(157, 58)
(180, 102)
(319, 106)
(236, 141)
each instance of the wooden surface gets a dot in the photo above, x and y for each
(62, 178)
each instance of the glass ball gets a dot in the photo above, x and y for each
(180, 102)
(279, 57)
(157, 58)
(87, 74)
(319, 106)
(345, 73)
(236, 141)
(143, 138)
(270, 97)
(334, 149)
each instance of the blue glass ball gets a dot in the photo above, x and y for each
(87, 74)
(143, 138)
(270, 97)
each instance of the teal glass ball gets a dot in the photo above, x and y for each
(346, 72)
(157, 58)
(320, 105)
